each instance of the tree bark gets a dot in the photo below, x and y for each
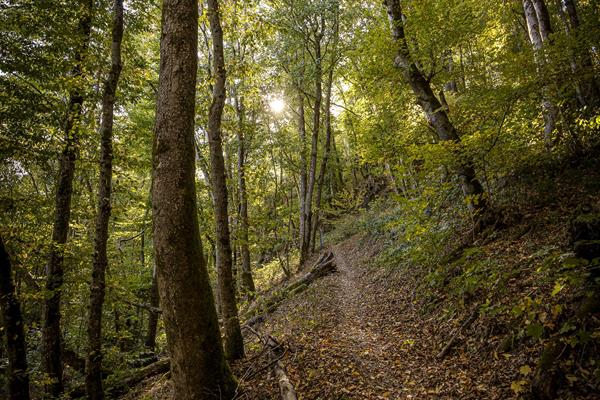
(93, 367)
(538, 33)
(247, 283)
(198, 367)
(18, 376)
(325, 159)
(436, 115)
(52, 363)
(543, 17)
(234, 344)
(316, 127)
(303, 174)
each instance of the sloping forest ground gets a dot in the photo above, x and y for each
(380, 327)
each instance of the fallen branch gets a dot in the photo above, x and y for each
(276, 353)
(257, 312)
(456, 335)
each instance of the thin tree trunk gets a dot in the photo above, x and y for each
(93, 366)
(150, 341)
(198, 367)
(234, 344)
(247, 283)
(535, 27)
(325, 159)
(543, 17)
(436, 115)
(312, 171)
(588, 92)
(303, 174)
(18, 376)
(51, 331)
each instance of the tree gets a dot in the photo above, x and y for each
(538, 26)
(437, 116)
(93, 368)
(247, 283)
(18, 375)
(234, 343)
(51, 332)
(588, 92)
(198, 367)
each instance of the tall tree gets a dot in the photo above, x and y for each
(317, 25)
(51, 332)
(93, 367)
(247, 283)
(327, 123)
(234, 343)
(198, 366)
(18, 375)
(436, 114)
(302, 185)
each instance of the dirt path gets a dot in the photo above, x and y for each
(357, 334)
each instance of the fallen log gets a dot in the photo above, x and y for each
(456, 335)
(257, 312)
(276, 352)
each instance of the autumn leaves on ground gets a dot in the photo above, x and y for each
(303, 199)
(375, 329)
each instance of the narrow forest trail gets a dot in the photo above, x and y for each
(357, 334)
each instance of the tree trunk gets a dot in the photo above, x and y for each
(18, 376)
(51, 332)
(150, 341)
(312, 171)
(303, 177)
(198, 367)
(588, 92)
(247, 283)
(543, 17)
(324, 160)
(436, 115)
(93, 367)
(535, 27)
(234, 344)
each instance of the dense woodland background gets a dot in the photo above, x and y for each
(443, 154)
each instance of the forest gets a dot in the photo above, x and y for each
(299, 199)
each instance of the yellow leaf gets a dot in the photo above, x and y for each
(525, 370)
(517, 386)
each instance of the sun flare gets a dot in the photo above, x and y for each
(277, 105)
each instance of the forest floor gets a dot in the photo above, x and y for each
(357, 334)
(373, 331)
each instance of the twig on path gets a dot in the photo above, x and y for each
(456, 335)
